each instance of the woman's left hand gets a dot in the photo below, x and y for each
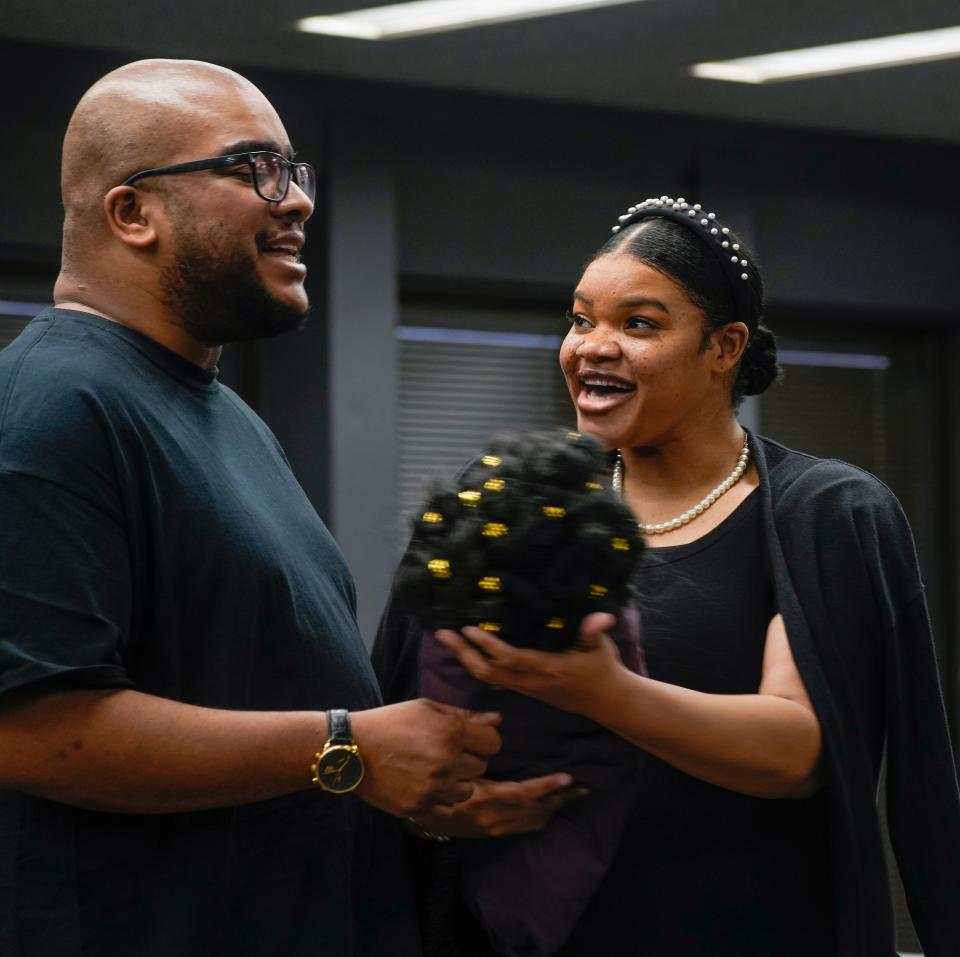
(575, 680)
(503, 808)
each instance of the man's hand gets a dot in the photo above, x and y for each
(122, 751)
(502, 808)
(422, 757)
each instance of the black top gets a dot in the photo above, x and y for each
(707, 872)
(845, 576)
(152, 536)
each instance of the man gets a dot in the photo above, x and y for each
(175, 620)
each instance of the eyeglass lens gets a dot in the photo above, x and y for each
(273, 177)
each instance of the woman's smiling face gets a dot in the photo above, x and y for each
(634, 359)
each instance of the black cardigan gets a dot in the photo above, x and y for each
(848, 585)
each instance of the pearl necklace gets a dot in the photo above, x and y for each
(728, 483)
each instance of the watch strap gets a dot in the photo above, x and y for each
(338, 726)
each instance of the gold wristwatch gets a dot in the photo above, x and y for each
(338, 768)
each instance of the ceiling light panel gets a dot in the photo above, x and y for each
(434, 16)
(836, 58)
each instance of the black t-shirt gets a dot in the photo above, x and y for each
(703, 871)
(152, 536)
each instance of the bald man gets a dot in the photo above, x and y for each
(191, 738)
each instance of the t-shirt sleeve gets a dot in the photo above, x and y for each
(65, 586)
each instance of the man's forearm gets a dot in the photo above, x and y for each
(129, 752)
(125, 751)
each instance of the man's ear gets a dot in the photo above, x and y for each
(727, 344)
(130, 216)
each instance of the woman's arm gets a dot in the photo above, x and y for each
(766, 744)
(503, 808)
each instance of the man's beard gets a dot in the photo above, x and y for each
(219, 297)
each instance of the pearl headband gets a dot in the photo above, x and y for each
(707, 228)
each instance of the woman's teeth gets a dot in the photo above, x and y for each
(603, 387)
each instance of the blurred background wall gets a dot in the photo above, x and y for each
(466, 177)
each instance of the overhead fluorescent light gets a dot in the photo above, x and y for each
(836, 58)
(434, 16)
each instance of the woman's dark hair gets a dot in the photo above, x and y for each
(528, 540)
(678, 253)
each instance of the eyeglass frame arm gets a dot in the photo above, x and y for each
(221, 162)
(214, 162)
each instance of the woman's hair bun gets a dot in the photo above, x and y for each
(759, 368)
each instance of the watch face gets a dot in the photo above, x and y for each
(339, 769)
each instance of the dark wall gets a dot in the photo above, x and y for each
(494, 190)
(523, 192)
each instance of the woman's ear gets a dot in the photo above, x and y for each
(728, 343)
(130, 214)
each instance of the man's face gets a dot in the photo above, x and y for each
(219, 294)
(232, 270)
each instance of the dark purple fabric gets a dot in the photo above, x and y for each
(529, 891)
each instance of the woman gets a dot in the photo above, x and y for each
(786, 637)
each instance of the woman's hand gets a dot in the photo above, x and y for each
(502, 808)
(766, 744)
(576, 680)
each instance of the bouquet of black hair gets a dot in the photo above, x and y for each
(528, 540)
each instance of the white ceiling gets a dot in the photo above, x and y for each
(633, 55)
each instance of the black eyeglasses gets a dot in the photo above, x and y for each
(270, 173)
